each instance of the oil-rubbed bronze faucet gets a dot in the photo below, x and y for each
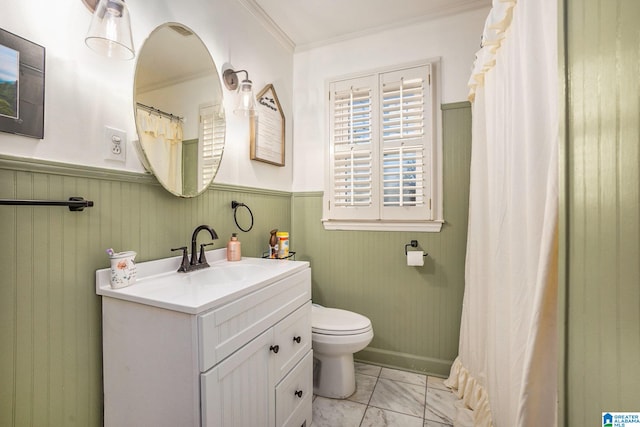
(202, 260)
(196, 263)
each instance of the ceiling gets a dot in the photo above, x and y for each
(308, 23)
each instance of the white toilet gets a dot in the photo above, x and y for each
(336, 335)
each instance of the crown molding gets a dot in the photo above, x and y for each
(268, 23)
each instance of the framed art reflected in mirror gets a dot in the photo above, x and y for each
(21, 86)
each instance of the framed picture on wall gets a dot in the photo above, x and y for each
(267, 129)
(21, 86)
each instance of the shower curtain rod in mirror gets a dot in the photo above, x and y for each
(159, 112)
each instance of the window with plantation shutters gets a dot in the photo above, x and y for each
(384, 170)
(211, 136)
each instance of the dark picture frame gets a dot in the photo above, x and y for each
(22, 71)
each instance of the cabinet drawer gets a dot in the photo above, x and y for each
(224, 330)
(293, 337)
(294, 395)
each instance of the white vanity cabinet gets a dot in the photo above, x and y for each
(249, 388)
(245, 362)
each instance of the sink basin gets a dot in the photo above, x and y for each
(223, 275)
(219, 274)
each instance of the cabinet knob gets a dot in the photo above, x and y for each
(297, 339)
(275, 348)
(298, 393)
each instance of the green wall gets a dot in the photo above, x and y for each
(415, 311)
(601, 210)
(190, 166)
(50, 316)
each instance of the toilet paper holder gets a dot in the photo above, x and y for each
(413, 244)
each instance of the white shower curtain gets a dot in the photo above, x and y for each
(506, 367)
(161, 139)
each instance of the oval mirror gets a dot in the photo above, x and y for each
(178, 110)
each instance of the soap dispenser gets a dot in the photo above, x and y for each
(233, 249)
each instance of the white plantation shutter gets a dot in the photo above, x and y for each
(212, 132)
(383, 167)
(353, 163)
(403, 176)
(352, 175)
(404, 126)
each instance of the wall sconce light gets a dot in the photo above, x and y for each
(110, 30)
(247, 102)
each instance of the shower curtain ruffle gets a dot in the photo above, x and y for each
(495, 26)
(474, 396)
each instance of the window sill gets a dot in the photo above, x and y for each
(376, 225)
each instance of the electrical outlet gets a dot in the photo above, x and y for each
(115, 144)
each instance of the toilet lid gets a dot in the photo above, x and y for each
(333, 321)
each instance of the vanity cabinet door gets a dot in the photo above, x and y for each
(293, 336)
(294, 395)
(238, 392)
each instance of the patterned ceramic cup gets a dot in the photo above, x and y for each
(123, 269)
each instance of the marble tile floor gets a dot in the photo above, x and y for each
(387, 397)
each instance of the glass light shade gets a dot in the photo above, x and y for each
(247, 101)
(110, 30)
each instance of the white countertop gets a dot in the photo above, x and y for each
(159, 284)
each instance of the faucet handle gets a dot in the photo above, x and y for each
(202, 259)
(185, 259)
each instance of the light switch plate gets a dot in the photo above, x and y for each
(115, 142)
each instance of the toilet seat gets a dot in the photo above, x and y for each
(333, 321)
